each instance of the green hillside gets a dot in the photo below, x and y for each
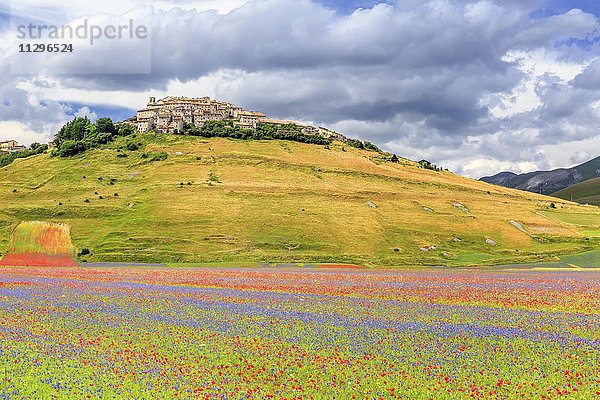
(190, 199)
(586, 192)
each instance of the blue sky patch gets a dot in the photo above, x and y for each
(348, 6)
(557, 7)
(116, 113)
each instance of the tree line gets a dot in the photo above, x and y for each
(81, 134)
(227, 129)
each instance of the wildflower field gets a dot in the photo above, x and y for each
(141, 333)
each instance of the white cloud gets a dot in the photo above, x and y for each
(84, 112)
(580, 156)
(570, 153)
(68, 10)
(480, 167)
(14, 130)
(535, 65)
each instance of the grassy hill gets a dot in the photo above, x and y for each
(222, 200)
(587, 192)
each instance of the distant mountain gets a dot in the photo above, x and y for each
(547, 182)
(586, 192)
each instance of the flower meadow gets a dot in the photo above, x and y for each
(141, 333)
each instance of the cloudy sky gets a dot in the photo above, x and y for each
(477, 86)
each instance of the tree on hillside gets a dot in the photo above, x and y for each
(80, 135)
(126, 130)
(70, 148)
(363, 145)
(371, 146)
(187, 127)
(106, 125)
(75, 130)
(213, 129)
(428, 165)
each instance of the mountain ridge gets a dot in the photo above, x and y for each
(547, 182)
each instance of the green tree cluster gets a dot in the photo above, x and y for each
(363, 145)
(81, 134)
(224, 129)
(428, 165)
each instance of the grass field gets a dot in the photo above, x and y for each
(588, 224)
(590, 259)
(222, 200)
(299, 333)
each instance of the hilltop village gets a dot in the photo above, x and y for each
(183, 115)
(171, 114)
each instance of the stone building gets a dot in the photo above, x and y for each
(249, 119)
(10, 146)
(171, 113)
